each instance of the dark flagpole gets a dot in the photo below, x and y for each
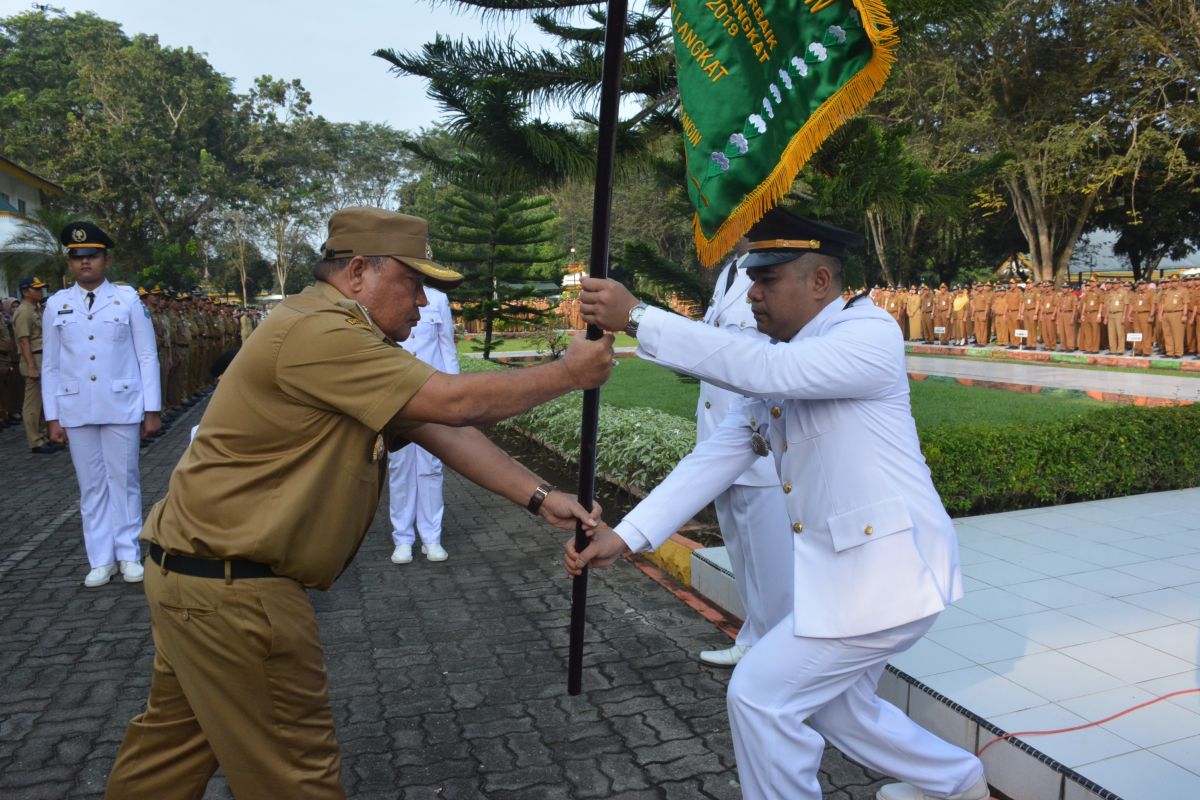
(610, 97)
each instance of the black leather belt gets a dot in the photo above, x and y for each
(207, 567)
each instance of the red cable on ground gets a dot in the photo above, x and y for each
(1087, 724)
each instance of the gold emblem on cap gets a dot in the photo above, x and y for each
(78, 235)
(428, 251)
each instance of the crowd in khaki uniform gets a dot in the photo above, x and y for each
(1101, 316)
(192, 331)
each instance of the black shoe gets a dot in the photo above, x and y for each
(44, 449)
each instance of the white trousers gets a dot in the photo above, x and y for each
(758, 535)
(791, 694)
(415, 495)
(110, 490)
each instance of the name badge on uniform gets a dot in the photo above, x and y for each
(66, 311)
(759, 443)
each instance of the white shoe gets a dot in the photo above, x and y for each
(434, 552)
(728, 657)
(132, 571)
(402, 554)
(904, 791)
(100, 576)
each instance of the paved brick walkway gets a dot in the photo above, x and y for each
(448, 680)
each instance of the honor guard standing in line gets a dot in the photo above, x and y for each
(981, 307)
(1000, 315)
(162, 338)
(1173, 309)
(181, 357)
(943, 308)
(10, 378)
(415, 502)
(913, 312)
(927, 307)
(1139, 317)
(1067, 317)
(27, 328)
(1115, 304)
(960, 315)
(875, 554)
(101, 394)
(1091, 307)
(274, 496)
(751, 512)
(1048, 317)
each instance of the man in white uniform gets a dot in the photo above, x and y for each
(875, 554)
(100, 390)
(415, 474)
(751, 512)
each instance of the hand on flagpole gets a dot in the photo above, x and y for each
(605, 303)
(562, 511)
(589, 362)
(605, 548)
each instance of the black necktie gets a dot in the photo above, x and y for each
(733, 268)
(91, 299)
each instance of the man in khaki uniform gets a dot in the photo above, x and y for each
(1048, 317)
(27, 328)
(1000, 315)
(276, 493)
(927, 307)
(981, 306)
(1027, 316)
(1115, 304)
(943, 309)
(1091, 307)
(1173, 309)
(959, 316)
(1066, 316)
(1192, 333)
(912, 309)
(1139, 316)
(1014, 303)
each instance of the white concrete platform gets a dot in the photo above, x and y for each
(1072, 614)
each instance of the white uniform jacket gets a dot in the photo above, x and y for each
(99, 366)
(873, 546)
(432, 339)
(730, 312)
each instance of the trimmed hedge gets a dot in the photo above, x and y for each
(1114, 452)
(1120, 451)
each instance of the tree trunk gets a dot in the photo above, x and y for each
(879, 239)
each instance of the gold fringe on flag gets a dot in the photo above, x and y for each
(845, 103)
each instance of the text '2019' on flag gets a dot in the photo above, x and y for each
(762, 84)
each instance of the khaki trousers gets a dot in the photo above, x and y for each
(1066, 332)
(1173, 333)
(1116, 335)
(239, 680)
(981, 330)
(1142, 325)
(1049, 331)
(31, 410)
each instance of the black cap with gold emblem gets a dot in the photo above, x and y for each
(781, 236)
(85, 239)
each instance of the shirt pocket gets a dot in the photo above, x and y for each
(807, 419)
(68, 387)
(869, 523)
(68, 328)
(124, 385)
(116, 327)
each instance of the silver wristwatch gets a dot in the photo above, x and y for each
(635, 318)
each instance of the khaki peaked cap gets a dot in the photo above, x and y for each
(376, 232)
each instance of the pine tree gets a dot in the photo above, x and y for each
(497, 240)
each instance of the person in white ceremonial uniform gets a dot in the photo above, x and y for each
(751, 512)
(414, 474)
(100, 391)
(874, 552)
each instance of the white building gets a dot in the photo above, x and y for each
(21, 194)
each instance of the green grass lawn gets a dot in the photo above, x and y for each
(640, 384)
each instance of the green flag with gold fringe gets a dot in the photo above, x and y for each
(762, 84)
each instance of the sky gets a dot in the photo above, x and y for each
(327, 45)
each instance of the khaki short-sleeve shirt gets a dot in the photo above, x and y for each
(27, 324)
(287, 464)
